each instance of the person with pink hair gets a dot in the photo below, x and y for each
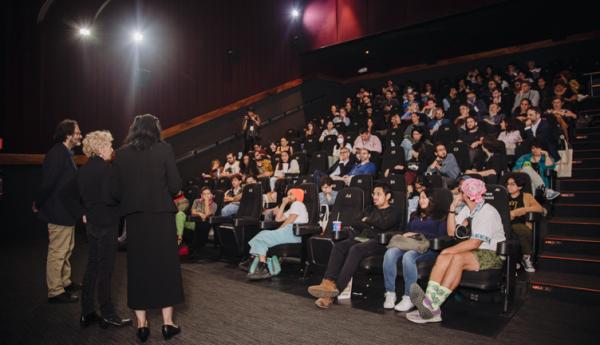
(480, 225)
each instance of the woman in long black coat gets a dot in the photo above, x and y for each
(144, 181)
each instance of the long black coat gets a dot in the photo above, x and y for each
(58, 201)
(145, 180)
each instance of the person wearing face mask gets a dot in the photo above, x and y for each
(340, 143)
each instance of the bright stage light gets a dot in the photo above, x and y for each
(85, 32)
(295, 13)
(137, 37)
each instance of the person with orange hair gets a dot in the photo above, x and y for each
(260, 244)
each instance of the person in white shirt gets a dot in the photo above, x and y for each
(329, 130)
(284, 166)
(474, 254)
(367, 141)
(260, 244)
(232, 166)
(526, 92)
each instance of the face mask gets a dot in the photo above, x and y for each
(340, 141)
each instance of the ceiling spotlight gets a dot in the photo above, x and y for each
(295, 13)
(367, 52)
(85, 32)
(137, 37)
(363, 70)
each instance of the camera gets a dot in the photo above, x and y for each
(463, 231)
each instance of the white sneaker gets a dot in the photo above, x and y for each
(527, 264)
(390, 300)
(551, 194)
(404, 305)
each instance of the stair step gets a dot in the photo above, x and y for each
(587, 136)
(576, 210)
(572, 244)
(569, 263)
(564, 226)
(586, 153)
(586, 163)
(578, 184)
(566, 286)
(580, 197)
(585, 172)
(588, 143)
(587, 130)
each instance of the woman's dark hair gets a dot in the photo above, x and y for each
(519, 179)
(237, 177)
(279, 165)
(205, 188)
(64, 128)
(144, 132)
(426, 212)
(492, 144)
(325, 180)
(511, 124)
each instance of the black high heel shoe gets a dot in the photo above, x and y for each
(169, 331)
(143, 333)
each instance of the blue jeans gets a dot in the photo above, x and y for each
(409, 267)
(230, 209)
(260, 244)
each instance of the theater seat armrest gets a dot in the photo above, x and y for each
(385, 237)
(306, 229)
(270, 224)
(220, 220)
(343, 234)
(508, 248)
(245, 221)
(534, 217)
(443, 242)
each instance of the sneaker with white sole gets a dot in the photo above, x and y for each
(420, 300)
(551, 194)
(527, 264)
(404, 305)
(390, 300)
(415, 317)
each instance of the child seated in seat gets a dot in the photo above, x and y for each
(260, 244)
(474, 254)
(327, 195)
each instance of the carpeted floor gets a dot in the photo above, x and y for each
(221, 307)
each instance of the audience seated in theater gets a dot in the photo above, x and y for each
(437, 121)
(509, 135)
(493, 162)
(423, 222)
(464, 112)
(492, 120)
(520, 204)
(428, 93)
(565, 118)
(310, 132)
(232, 196)
(477, 106)
(232, 165)
(216, 169)
(260, 244)
(452, 103)
(284, 146)
(347, 254)
(286, 165)
(472, 136)
(421, 156)
(329, 130)
(520, 113)
(477, 253)
(363, 167)
(413, 108)
(367, 141)
(429, 108)
(535, 164)
(248, 166)
(501, 101)
(415, 121)
(202, 209)
(546, 94)
(417, 135)
(327, 195)
(541, 129)
(413, 192)
(445, 165)
(526, 92)
(342, 167)
(263, 165)
(340, 143)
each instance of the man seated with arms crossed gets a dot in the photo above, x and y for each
(364, 166)
(475, 254)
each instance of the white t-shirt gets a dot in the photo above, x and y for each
(486, 226)
(298, 209)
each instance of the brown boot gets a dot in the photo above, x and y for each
(327, 288)
(324, 302)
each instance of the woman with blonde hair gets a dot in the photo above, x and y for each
(102, 225)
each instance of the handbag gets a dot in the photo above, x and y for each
(564, 167)
(417, 242)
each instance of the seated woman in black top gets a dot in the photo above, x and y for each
(493, 162)
(347, 254)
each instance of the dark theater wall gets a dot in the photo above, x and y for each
(329, 22)
(196, 56)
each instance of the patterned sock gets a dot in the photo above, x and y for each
(436, 294)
